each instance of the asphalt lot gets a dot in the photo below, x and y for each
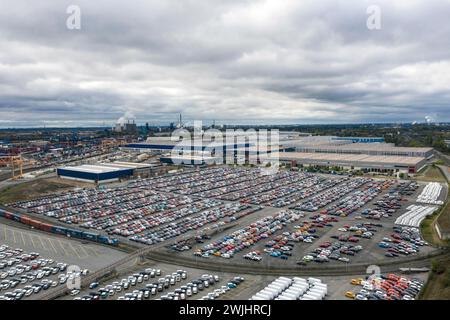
(337, 285)
(93, 257)
(370, 253)
(71, 251)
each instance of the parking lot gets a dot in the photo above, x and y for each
(337, 286)
(71, 251)
(238, 216)
(371, 214)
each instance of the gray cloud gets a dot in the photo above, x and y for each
(289, 61)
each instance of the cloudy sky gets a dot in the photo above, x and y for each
(291, 61)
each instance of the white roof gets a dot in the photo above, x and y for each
(93, 168)
(125, 165)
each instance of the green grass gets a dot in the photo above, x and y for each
(431, 173)
(444, 218)
(29, 190)
(429, 232)
(438, 284)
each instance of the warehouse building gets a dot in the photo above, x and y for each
(139, 169)
(105, 172)
(188, 160)
(94, 173)
(165, 145)
(360, 139)
(371, 163)
(374, 149)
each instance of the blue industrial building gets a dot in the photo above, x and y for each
(94, 174)
(360, 139)
(142, 147)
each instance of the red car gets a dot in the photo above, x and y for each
(325, 245)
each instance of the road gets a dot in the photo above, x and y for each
(445, 171)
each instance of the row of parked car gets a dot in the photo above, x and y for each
(390, 202)
(32, 274)
(110, 213)
(127, 283)
(249, 235)
(357, 199)
(246, 191)
(74, 202)
(327, 251)
(330, 195)
(365, 230)
(10, 256)
(197, 181)
(386, 287)
(232, 284)
(282, 188)
(308, 188)
(148, 221)
(404, 241)
(236, 189)
(192, 288)
(220, 182)
(219, 216)
(281, 246)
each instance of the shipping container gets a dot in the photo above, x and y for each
(25, 220)
(59, 230)
(36, 224)
(90, 236)
(45, 227)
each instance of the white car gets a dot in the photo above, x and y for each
(74, 292)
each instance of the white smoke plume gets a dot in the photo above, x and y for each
(128, 116)
(429, 119)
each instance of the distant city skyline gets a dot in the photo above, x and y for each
(234, 61)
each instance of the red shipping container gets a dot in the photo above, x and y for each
(35, 223)
(25, 220)
(46, 227)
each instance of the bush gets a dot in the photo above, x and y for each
(437, 267)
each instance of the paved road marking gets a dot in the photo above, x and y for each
(4, 233)
(52, 243)
(75, 250)
(83, 249)
(66, 248)
(96, 252)
(50, 247)
(14, 235)
(89, 251)
(26, 239)
(23, 238)
(42, 243)
(32, 241)
(62, 251)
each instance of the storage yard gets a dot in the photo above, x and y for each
(233, 218)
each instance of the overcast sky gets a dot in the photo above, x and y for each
(291, 61)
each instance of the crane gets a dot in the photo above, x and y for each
(14, 162)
